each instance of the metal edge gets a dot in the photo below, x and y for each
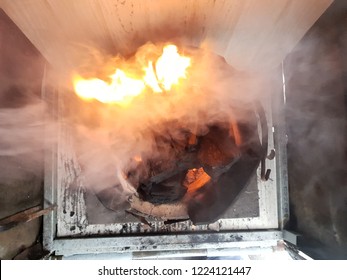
(220, 253)
(50, 166)
(270, 163)
(172, 242)
(280, 141)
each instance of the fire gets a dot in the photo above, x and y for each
(151, 79)
(195, 179)
(138, 158)
(170, 67)
(119, 89)
(159, 76)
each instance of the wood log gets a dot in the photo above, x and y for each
(195, 179)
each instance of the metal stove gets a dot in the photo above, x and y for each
(82, 225)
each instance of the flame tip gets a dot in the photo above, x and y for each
(159, 76)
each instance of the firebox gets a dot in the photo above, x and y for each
(223, 187)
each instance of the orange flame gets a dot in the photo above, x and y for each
(160, 76)
(138, 158)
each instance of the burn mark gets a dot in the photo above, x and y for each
(267, 174)
(170, 222)
(141, 218)
(119, 16)
(271, 155)
(124, 229)
(238, 238)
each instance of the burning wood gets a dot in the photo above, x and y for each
(200, 183)
(195, 179)
(222, 166)
(190, 156)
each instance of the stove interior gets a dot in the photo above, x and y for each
(205, 175)
(175, 157)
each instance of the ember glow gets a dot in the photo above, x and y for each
(158, 76)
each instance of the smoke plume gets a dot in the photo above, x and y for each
(108, 137)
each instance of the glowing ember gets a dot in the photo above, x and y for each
(158, 76)
(195, 179)
(138, 158)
